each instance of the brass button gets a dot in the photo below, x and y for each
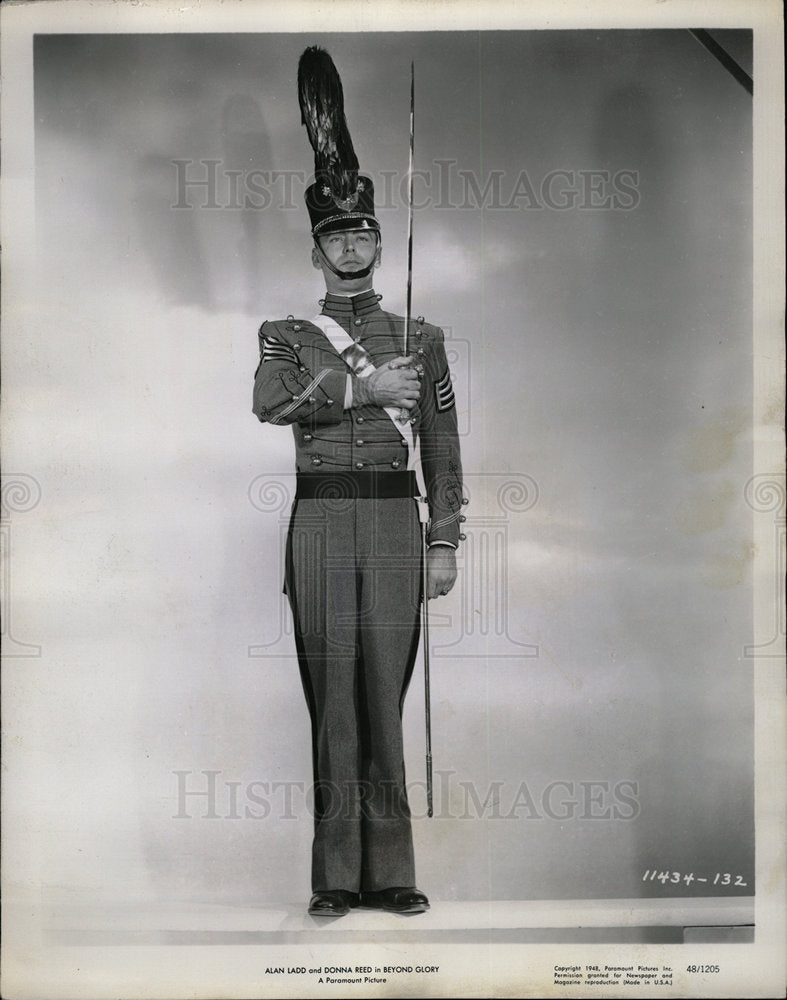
(358, 321)
(329, 402)
(359, 420)
(356, 340)
(302, 368)
(296, 328)
(296, 347)
(359, 465)
(395, 464)
(359, 442)
(295, 395)
(403, 442)
(462, 517)
(465, 500)
(312, 399)
(316, 460)
(307, 437)
(462, 538)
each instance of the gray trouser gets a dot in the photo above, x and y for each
(353, 580)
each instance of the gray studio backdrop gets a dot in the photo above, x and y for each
(582, 233)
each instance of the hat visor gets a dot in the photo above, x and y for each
(343, 223)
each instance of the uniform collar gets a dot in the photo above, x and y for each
(361, 304)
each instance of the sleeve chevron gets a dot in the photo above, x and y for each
(277, 350)
(444, 392)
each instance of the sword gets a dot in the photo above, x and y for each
(405, 415)
(427, 697)
(410, 211)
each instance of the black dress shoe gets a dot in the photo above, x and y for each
(332, 903)
(397, 900)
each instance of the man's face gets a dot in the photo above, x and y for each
(349, 251)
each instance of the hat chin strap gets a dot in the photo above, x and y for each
(348, 275)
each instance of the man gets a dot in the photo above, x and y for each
(358, 406)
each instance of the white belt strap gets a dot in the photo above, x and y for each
(340, 341)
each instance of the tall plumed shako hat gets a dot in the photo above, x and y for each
(340, 197)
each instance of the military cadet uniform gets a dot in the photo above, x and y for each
(353, 572)
(354, 565)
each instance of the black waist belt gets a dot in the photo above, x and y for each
(355, 485)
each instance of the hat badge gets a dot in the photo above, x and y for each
(346, 204)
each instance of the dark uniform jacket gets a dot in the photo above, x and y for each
(301, 381)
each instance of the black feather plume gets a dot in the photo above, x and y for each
(322, 112)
